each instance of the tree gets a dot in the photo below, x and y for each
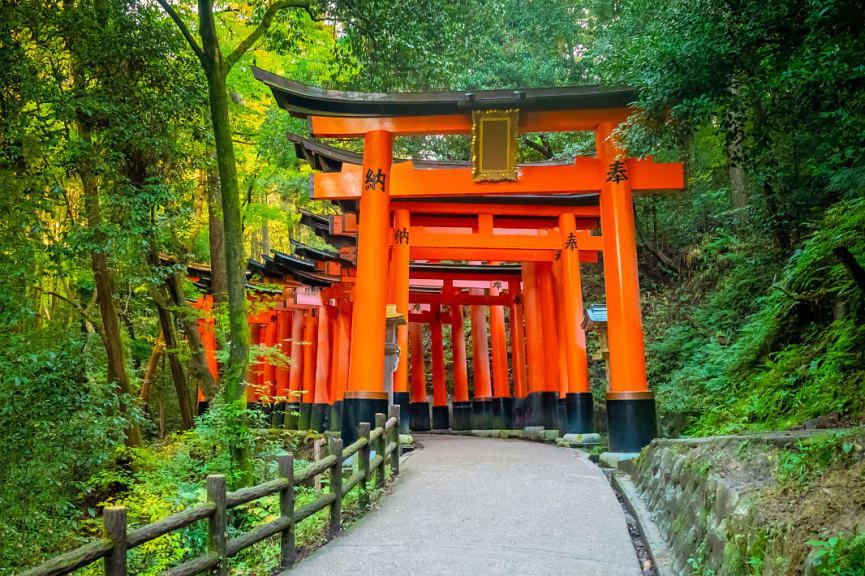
(216, 66)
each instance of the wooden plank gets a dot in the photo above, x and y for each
(314, 469)
(363, 433)
(394, 439)
(308, 510)
(585, 175)
(216, 528)
(256, 535)
(174, 522)
(195, 566)
(530, 121)
(353, 480)
(114, 525)
(380, 445)
(354, 447)
(72, 560)
(287, 545)
(334, 446)
(251, 493)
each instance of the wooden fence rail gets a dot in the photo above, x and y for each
(118, 540)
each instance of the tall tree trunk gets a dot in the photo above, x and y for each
(218, 279)
(163, 301)
(735, 138)
(105, 287)
(235, 266)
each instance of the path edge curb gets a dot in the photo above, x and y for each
(658, 550)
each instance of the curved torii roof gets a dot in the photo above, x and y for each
(303, 100)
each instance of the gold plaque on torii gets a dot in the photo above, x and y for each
(495, 135)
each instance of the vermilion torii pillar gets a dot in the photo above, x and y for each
(630, 404)
(482, 404)
(461, 405)
(419, 407)
(399, 277)
(503, 405)
(540, 408)
(518, 363)
(295, 378)
(320, 409)
(440, 416)
(578, 401)
(308, 365)
(365, 395)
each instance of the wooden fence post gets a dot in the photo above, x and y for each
(394, 456)
(363, 463)
(114, 524)
(217, 524)
(334, 447)
(287, 550)
(380, 445)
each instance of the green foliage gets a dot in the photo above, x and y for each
(59, 426)
(801, 464)
(839, 556)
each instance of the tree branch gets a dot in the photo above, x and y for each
(544, 150)
(853, 267)
(265, 23)
(169, 9)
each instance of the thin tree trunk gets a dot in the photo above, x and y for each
(105, 289)
(187, 321)
(735, 138)
(184, 401)
(150, 373)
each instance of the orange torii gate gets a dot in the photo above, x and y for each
(526, 228)
(378, 118)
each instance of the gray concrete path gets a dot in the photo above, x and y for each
(480, 507)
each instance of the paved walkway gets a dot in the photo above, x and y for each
(480, 507)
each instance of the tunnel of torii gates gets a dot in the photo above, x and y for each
(423, 241)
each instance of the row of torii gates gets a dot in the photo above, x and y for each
(432, 238)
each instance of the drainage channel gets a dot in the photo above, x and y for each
(641, 549)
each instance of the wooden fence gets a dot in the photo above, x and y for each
(117, 540)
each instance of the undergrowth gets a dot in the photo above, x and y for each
(751, 345)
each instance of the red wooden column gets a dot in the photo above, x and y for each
(580, 410)
(339, 370)
(630, 405)
(256, 369)
(482, 404)
(399, 274)
(208, 341)
(365, 395)
(295, 375)
(283, 372)
(309, 358)
(419, 406)
(552, 383)
(268, 340)
(502, 417)
(440, 417)
(540, 404)
(333, 373)
(518, 362)
(320, 409)
(462, 406)
(562, 360)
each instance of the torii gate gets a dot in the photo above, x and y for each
(378, 118)
(518, 227)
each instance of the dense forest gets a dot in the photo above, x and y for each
(134, 140)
